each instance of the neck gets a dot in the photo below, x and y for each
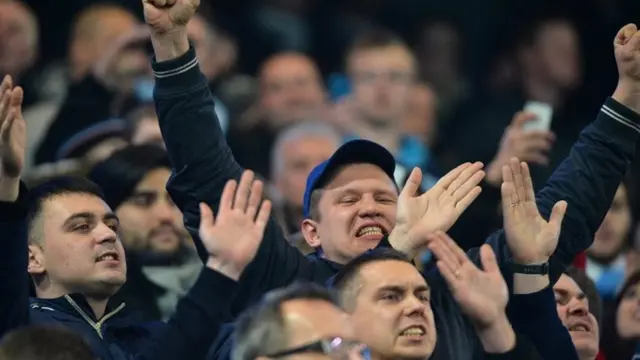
(98, 306)
(537, 89)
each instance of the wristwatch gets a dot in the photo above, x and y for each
(540, 269)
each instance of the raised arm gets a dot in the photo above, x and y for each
(14, 282)
(231, 240)
(201, 159)
(587, 179)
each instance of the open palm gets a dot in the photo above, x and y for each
(13, 133)
(482, 294)
(439, 207)
(531, 238)
(234, 235)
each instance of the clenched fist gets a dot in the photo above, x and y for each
(166, 15)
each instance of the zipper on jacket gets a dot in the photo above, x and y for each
(97, 326)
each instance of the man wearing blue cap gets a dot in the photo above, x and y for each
(358, 205)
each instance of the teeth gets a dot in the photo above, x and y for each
(370, 230)
(413, 331)
(578, 328)
(107, 257)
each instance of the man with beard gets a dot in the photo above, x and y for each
(163, 263)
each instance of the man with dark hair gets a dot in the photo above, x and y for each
(44, 343)
(296, 320)
(359, 205)
(163, 264)
(66, 237)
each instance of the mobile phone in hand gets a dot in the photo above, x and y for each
(543, 113)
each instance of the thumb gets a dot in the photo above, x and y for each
(412, 185)
(488, 259)
(557, 214)
(625, 33)
(206, 217)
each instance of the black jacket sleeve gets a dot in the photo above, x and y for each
(14, 283)
(202, 163)
(587, 179)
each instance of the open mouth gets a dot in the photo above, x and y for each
(414, 331)
(371, 230)
(108, 256)
(579, 327)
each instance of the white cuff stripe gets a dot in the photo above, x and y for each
(180, 70)
(619, 118)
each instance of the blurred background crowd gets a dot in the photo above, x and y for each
(437, 83)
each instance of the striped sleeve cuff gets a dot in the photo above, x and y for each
(618, 121)
(179, 73)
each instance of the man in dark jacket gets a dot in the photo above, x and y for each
(202, 164)
(66, 237)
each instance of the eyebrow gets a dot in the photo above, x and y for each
(399, 288)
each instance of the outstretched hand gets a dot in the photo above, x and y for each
(531, 238)
(13, 134)
(437, 209)
(482, 294)
(233, 236)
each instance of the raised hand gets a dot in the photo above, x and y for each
(482, 294)
(626, 47)
(531, 238)
(166, 15)
(234, 235)
(437, 209)
(13, 135)
(528, 146)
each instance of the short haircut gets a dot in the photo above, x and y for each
(344, 282)
(50, 189)
(296, 132)
(121, 172)
(589, 288)
(373, 39)
(44, 343)
(134, 117)
(261, 330)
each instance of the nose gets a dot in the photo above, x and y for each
(164, 211)
(104, 234)
(415, 306)
(577, 307)
(369, 207)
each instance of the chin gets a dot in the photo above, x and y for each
(417, 352)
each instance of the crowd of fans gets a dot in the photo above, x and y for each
(281, 179)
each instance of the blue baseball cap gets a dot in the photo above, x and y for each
(351, 152)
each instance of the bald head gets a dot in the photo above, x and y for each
(18, 37)
(95, 29)
(290, 88)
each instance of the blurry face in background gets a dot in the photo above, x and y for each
(628, 314)
(613, 231)
(76, 231)
(573, 310)
(420, 120)
(205, 40)
(149, 219)
(396, 297)
(95, 31)
(557, 54)
(290, 89)
(382, 79)
(147, 131)
(298, 158)
(18, 38)
(356, 209)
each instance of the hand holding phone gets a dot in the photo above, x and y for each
(543, 114)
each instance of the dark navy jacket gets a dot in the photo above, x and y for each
(117, 335)
(202, 163)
